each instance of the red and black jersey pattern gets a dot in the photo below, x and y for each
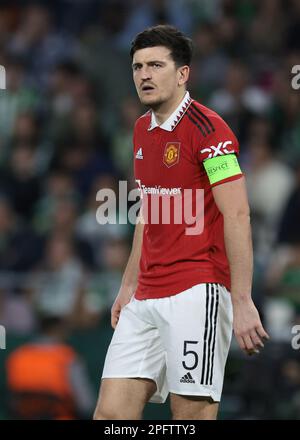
(168, 161)
(200, 120)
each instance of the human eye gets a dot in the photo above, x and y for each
(136, 67)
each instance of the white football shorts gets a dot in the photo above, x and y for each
(181, 342)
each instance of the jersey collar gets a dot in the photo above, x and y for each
(174, 118)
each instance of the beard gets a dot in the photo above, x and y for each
(153, 104)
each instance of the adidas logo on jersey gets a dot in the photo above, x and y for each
(139, 154)
(187, 378)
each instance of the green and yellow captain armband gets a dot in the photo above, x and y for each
(221, 167)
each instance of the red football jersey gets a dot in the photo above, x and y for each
(168, 164)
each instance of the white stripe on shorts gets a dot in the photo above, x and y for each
(211, 313)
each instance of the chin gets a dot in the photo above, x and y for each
(151, 102)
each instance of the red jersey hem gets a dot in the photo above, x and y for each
(152, 293)
(228, 179)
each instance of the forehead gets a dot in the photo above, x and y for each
(157, 53)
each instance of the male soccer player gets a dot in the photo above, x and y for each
(181, 293)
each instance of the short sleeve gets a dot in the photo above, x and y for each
(219, 142)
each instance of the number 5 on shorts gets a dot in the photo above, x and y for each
(190, 352)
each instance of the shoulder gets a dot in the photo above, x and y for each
(203, 121)
(66, 352)
(218, 138)
(206, 126)
(210, 120)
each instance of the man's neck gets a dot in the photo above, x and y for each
(165, 110)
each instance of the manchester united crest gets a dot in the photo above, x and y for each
(171, 154)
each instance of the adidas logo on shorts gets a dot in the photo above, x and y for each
(187, 378)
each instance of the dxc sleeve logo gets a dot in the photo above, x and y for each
(220, 150)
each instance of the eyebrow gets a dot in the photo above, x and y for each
(149, 63)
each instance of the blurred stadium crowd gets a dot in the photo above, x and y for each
(66, 121)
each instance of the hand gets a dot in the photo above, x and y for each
(247, 327)
(123, 298)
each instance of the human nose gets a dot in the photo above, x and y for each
(146, 73)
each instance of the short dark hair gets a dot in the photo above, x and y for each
(180, 45)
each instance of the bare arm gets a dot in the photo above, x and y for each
(130, 276)
(131, 272)
(231, 199)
